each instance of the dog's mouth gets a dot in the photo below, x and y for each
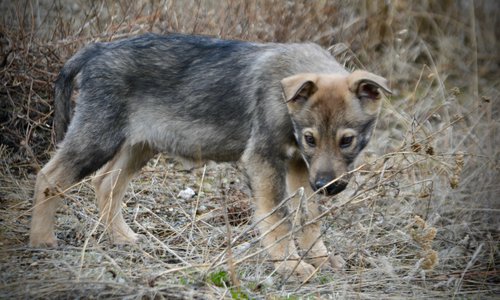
(331, 189)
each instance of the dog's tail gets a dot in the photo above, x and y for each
(64, 87)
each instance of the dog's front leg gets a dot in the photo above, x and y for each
(268, 183)
(309, 237)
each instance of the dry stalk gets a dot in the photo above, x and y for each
(232, 269)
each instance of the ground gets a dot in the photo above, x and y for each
(418, 220)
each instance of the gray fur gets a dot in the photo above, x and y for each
(188, 96)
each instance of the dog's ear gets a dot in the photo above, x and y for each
(366, 85)
(298, 88)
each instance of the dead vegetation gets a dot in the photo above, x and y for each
(420, 218)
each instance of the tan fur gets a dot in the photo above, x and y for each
(50, 183)
(111, 182)
(283, 252)
(309, 236)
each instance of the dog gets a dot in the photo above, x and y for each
(290, 113)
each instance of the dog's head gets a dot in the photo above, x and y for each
(333, 117)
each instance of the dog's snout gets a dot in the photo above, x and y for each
(331, 189)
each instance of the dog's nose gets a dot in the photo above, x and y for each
(333, 188)
(320, 183)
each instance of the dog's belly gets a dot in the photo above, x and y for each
(192, 140)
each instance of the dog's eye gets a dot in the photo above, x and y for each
(346, 141)
(309, 139)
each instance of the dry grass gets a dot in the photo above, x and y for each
(420, 219)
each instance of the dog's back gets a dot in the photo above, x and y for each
(189, 96)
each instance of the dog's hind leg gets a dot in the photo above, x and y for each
(56, 176)
(309, 238)
(111, 182)
(86, 148)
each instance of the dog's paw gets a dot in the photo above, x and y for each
(328, 261)
(336, 262)
(129, 239)
(302, 271)
(320, 261)
(49, 241)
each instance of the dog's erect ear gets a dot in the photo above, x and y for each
(298, 88)
(366, 85)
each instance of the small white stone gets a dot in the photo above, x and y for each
(186, 194)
